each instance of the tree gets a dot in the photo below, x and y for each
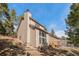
(3, 15)
(9, 23)
(4, 11)
(53, 33)
(72, 22)
(2, 29)
(8, 18)
(63, 37)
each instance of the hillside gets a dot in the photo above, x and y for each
(11, 46)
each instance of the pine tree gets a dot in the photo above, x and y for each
(3, 15)
(53, 33)
(2, 29)
(9, 18)
(9, 23)
(73, 24)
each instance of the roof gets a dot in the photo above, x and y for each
(38, 23)
(30, 19)
(36, 27)
(40, 29)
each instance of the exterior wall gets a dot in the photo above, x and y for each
(37, 38)
(26, 34)
(32, 22)
(47, 36)
(34, 34)
(26, 17)
(32, 37)
(23, 30)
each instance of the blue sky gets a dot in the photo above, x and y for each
(51, 15)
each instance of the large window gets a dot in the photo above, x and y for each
(42, 37)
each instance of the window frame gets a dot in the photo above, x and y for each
(42, 37)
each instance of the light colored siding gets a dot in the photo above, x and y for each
(21, 32)
(47, 36)
(32, 37)
(29, 35)
(32, 22)
(37, 38)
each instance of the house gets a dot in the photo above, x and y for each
(32, 33)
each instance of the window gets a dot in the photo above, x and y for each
(42, 37)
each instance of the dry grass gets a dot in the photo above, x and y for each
(11, 47)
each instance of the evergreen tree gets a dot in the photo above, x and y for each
(73, 24)
(2, 29)
(9, 18)
(3, 15)
(9, 23)
(53, 33)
